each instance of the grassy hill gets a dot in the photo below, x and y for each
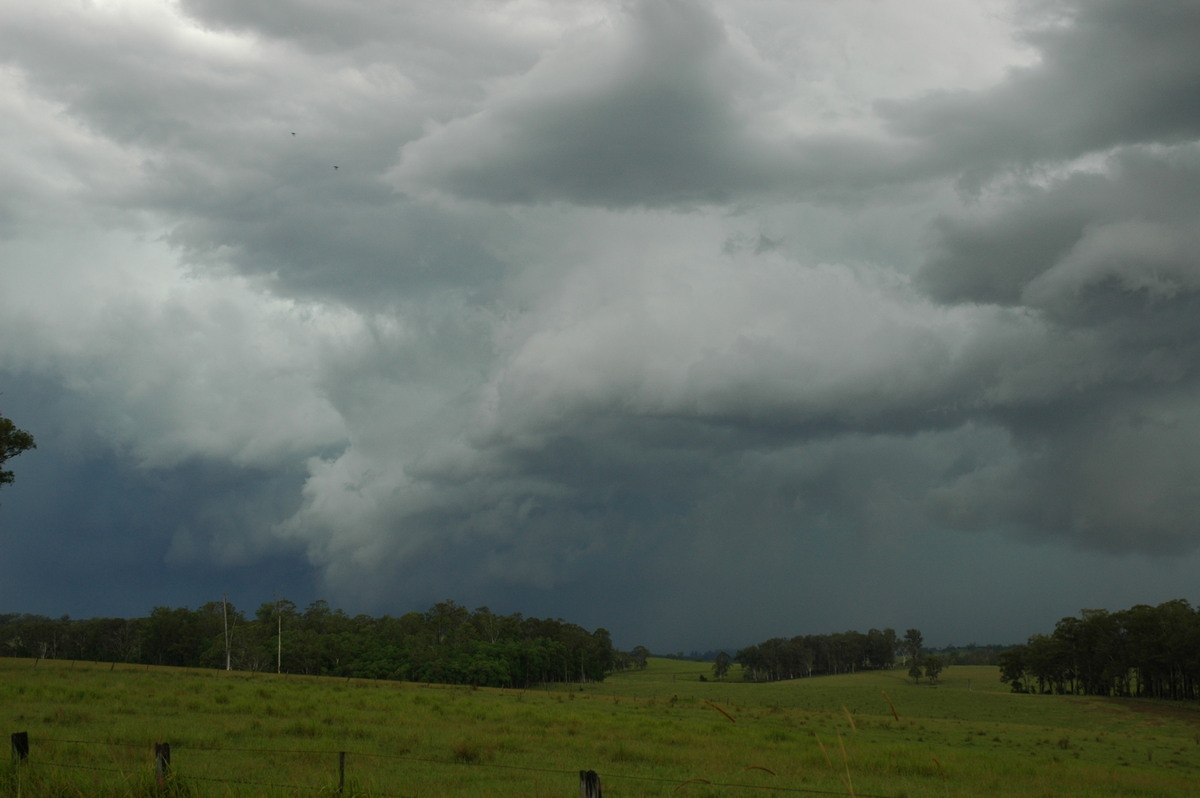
(655, 732)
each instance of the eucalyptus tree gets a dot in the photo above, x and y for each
(13, 441)
(912, 643)
(1146, 651)
(933, 665)
(721, 665)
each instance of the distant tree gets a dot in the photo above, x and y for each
(1012, 668)
(753, 663)
(914, 670)
(450, 623)
(489, 626)
(276, 616)
(912, 643)
(881, 648)
(174, 636)
(639, 655)
(13, 442)
(430, 646)
(721, 665)
(1144, 651)
(597, 649)
(933, 666)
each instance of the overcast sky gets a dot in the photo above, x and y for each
(704, 321)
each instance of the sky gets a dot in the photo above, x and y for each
(701, 321)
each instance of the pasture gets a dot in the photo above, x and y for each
(657, 732)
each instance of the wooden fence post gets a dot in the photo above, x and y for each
(20, 747)
(341, 772)
(589, 784)
(162, 763)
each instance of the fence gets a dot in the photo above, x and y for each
(156, 767)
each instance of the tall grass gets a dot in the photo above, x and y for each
(656, 732)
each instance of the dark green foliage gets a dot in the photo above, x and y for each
(1145, 651)
(446, 644)
(933, 666)
(809, 655)
(721, 665)
(13, 442)
(914, 671)
(912, 644)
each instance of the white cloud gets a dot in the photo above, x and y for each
(175, 365)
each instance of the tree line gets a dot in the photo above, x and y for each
(811, 655)
(1144, 651)
(446, 644)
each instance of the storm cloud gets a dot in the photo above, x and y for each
(700, 321)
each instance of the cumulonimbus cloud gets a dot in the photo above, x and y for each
(622, 292)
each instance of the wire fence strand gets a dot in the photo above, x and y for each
(608, 777)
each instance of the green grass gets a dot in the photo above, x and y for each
(655, 732)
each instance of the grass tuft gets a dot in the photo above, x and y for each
(467, 752)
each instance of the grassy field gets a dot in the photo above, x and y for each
(656, 732)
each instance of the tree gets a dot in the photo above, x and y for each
(272, 615)
(933, 667)
(13, 442)
(174, 636)
(881, 648)
(1013, 669)
(912, 643)
(721, 665)
(914, 671)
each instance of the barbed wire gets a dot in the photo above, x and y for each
(90, 742)
(249, 783)
(77, 766)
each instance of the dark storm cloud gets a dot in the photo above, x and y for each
(1105, 413)
(667, 111)
(996, 254)
(1104, 260)
(368, 249)
(236, 143)
(643, 112)
(1119, 476)
(1111, 73)
(1103, 253)
(123, 535)
(653, 315)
